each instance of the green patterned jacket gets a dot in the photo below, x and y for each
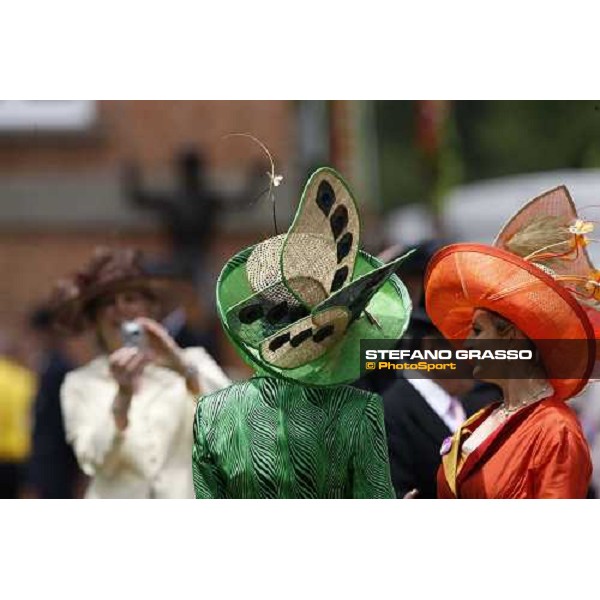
(272, 438)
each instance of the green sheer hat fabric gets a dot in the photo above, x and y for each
(297, 305)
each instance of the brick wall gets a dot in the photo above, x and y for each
(151, 131)
(60, 194)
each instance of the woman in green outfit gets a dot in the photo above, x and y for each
(296, 307)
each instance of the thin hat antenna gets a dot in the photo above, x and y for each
(274, 180)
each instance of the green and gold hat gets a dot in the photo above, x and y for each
(297, 305)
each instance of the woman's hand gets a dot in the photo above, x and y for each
(163, 350)
(126, 366)
(411, 495)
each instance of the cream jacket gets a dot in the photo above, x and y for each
(152, 458)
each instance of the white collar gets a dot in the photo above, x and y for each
(435, 394)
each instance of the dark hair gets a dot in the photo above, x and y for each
(41, 319)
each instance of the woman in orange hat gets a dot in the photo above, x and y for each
(534, 286)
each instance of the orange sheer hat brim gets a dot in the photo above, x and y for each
(465, 277)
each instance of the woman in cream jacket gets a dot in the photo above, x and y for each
(129, 412)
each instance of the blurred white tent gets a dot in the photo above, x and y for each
(477, 211)
(408, 225)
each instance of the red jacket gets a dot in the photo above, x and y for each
(539, 452)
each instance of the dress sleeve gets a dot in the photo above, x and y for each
(212, 377)
(207, 483)
(89, 427)
(370, 462)
(562, 466)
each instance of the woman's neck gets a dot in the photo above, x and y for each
(520, 392)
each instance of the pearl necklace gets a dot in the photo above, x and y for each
(507, 412)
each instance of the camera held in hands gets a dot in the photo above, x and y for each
(133, 334)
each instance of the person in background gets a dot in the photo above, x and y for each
(128, 413)
(421, 412)
(53, 470)
(587, 407)
(411, 273)
(189, 322)
(17, 387)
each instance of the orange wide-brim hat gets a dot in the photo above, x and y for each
(462, 278)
